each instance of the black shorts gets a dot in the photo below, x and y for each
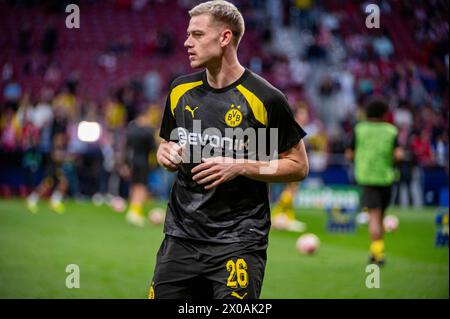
(376, 197)
(139, 174)
(54, 173)
(188, 269)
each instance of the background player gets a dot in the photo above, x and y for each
(55, 177)
(374, 149)
(284, 208)
(140, 144)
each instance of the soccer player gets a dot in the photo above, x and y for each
(55, 177)
(139, 144)
(283, 212)
(374, 149)
(218, 215)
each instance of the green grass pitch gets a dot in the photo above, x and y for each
(117, 260)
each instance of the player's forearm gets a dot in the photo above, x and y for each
(276, 171)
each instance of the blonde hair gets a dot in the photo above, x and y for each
(225, 12)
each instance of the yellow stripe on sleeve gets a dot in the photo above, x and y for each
(257, 106)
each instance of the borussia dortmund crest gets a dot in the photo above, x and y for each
(234, 116)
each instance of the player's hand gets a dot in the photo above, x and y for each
(215, 171)
(169, 155)
(125, 171)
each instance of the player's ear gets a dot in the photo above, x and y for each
(225, 37)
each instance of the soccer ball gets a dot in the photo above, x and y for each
(156, 216)
(390, 223)
(307, 244)
(362, 218)
(98, 199)
(118, 204)
(280, 222)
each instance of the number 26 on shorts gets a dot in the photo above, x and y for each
(238, 273)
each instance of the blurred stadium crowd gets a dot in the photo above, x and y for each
(122, 59)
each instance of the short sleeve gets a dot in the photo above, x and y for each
(396, 141)
(128, 146)
(279, 115)
(352, 142)
(168, 123)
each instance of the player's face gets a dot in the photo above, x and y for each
(203, 41)
(302, 117)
